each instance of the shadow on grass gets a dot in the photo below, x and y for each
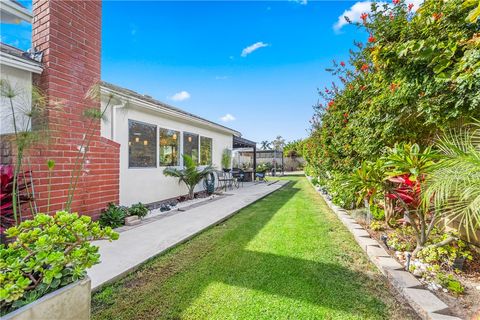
(168, 285)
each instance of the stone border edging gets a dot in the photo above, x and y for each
(426, 304)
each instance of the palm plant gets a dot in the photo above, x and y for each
(265, 145)
(454, 185)
(190, 174)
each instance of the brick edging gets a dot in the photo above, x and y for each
(426, 304)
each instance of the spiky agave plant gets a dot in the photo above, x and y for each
(454, 185)
(191, 174)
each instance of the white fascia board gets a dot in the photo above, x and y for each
(19, 63)
(169, 112)
(11, 8)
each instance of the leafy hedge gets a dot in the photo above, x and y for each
(417, 75)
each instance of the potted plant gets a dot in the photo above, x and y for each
(191, 174)
(226, 160)
(44, 266)
(135, 213)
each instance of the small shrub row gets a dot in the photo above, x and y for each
(114, 216)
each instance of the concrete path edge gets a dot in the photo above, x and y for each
(426, 304)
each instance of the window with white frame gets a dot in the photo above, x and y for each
(190, 145)
(142, 145)
(205, 151)
(169, 143)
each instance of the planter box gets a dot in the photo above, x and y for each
(71, 302)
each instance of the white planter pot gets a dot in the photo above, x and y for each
(71, 302)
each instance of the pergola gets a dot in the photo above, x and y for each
(240, 143)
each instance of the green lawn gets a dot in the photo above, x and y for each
(284, 257)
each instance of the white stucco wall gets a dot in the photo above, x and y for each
(148, 185)
(21, 83)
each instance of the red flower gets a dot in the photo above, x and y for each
(437, 16)
(345, 115)
(396, 1)
(364, 17)
(342, 64)
(363, 88)
(371, 39)
(394, 87)
(410, 7)
(327, 91)
(345, 120)
(364, 67)
(330, 104)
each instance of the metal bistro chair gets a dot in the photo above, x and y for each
(225, 180)
(238, 177)
(262, 176)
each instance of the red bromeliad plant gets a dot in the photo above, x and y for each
(7, 216)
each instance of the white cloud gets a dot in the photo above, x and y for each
(355, 11)
(246, 51)
(180, 96)
(353, 14)
(302, 2)
(227, 118)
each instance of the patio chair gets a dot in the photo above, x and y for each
(225, 180)
(238, 177)
(262, 176)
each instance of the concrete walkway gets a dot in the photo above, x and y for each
(137, 245)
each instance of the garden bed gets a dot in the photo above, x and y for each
(465, 305)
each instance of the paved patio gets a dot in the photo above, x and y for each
(144, 242)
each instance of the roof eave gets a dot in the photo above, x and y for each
(19, 63)
(173, 113)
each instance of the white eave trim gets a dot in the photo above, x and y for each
(168, 111)
(19, 63)
(17, 10)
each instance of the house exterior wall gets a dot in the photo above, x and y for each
(21, 81)
(149, 185)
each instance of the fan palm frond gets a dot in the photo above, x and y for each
(454, 185)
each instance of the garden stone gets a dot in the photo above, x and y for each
(425, 300)
(132, 221)
(403, 279)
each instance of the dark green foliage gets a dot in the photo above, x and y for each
(113, 216)
(138, 209)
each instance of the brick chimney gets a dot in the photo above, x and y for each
(69, 35)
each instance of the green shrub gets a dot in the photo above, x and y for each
(377, 213)
(113, 216)
(449, 282)
(47, 253)
(377, 226)
(402, 239)
(138, 209)
(315, 181)
(445, 255)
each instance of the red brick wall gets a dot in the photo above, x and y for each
(69, 35)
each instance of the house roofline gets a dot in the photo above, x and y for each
(17, 10)
(158, 106)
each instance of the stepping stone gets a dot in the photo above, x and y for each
(360, 233)
(375, 251)
(403, 279)
(425, 300)
(386, 263)
(438, 316)
(364, 242)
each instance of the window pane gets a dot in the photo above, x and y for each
(205, 151)
(142, 144)
(169, 147)
(190, 145)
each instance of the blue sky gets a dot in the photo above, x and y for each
(189, 54)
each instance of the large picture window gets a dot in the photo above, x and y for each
(205, 151)
(142, 144)
(169, 147)
(190, 145)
